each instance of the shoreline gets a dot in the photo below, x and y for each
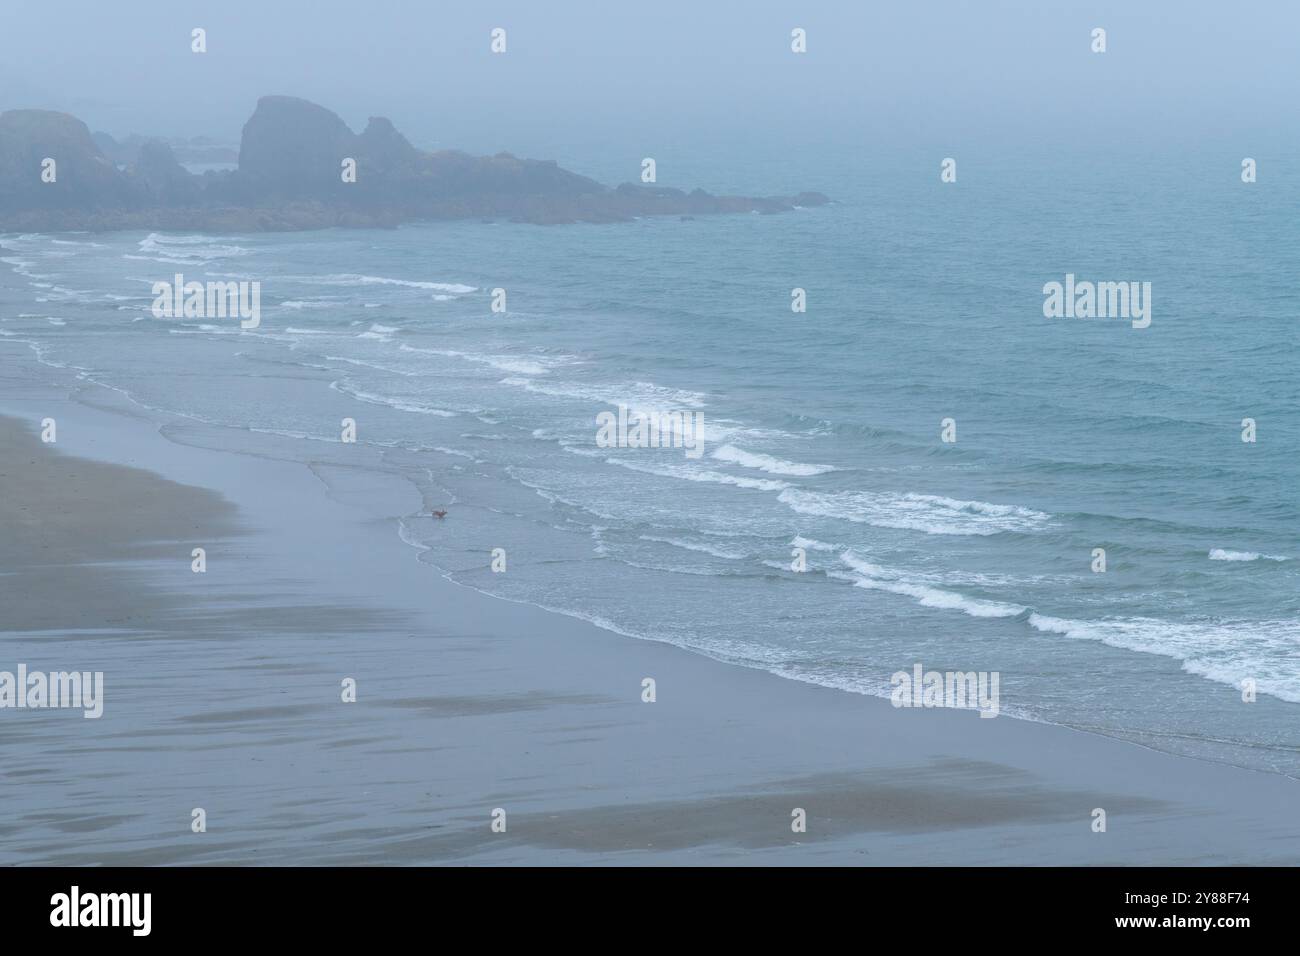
(467, 703)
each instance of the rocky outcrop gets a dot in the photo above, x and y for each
(48, 161)
(290, 176)
(163, 180)
(293, 148)
(382, 148)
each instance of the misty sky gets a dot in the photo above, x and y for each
(586, 76)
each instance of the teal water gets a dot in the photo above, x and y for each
(822, 429)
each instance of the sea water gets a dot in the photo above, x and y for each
(823, 431)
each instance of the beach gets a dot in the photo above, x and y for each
(223, 691)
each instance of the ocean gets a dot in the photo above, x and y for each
(823, 429)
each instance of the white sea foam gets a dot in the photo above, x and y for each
(931, 514)
(207, 330)
(375, 365)
(1227, 652)
(21, 266)
(166, 259)
(637, 396)
(355, 279)
(533, 365)
(644, 400)
(155, 238)
(298, 305)
(877, 578)
(242, 276)
(812, 544)
(187, 250)
(691, 473)
(397, 403)
(698, 546)
(583, 451)
(1220, 554)
(768, 463)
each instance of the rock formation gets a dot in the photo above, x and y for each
(291, 160)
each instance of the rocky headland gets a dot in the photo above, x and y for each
(292, 174)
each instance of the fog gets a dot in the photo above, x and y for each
(582, 76)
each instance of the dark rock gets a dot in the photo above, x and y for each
(84, 178)
(163, 179)
(290, 177)
(293, 148)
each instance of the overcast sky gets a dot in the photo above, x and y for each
(579, 73)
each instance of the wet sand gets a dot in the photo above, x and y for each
(223, 692)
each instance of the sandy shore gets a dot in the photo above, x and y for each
(223, 692)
